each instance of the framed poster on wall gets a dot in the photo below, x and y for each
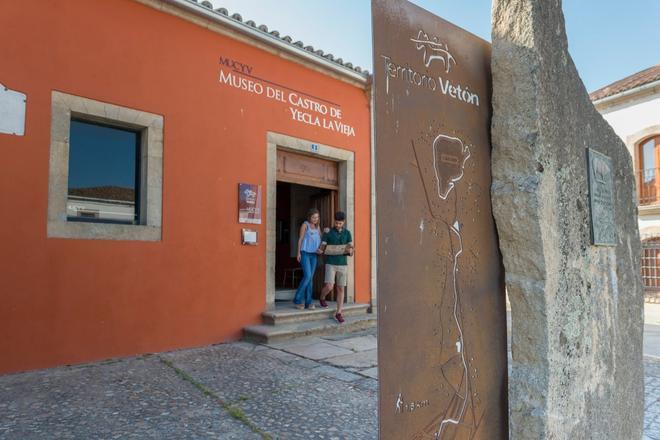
(249, 203)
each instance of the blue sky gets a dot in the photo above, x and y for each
(608, 39)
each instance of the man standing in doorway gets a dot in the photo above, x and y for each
(336, 266)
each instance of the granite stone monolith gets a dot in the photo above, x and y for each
(577, 308)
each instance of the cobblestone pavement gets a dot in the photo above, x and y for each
(139, 398)
(314, 388)
(286, 395)
(228, 391)
(652, 398)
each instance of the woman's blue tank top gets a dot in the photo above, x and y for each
(311, 240)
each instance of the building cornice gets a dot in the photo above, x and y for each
(647, 210)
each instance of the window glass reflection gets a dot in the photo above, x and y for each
(648, 160)
(103, 174)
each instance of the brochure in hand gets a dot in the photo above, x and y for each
(335, 249)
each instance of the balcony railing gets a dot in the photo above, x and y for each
(648, 186)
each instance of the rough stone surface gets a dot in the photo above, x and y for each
(576, 308)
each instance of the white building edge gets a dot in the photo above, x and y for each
(632, 107)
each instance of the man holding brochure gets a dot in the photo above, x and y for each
(336, 245)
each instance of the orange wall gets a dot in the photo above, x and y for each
(68, 301)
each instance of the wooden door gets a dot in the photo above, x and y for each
(327, 205)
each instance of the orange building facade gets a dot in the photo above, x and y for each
(215, 103)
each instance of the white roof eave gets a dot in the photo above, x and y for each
(272, 40)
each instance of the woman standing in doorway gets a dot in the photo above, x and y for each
(309, 241)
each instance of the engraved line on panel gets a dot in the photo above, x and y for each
(387, 77)
(453, 181)
(421, 176)
(455, 228)
(433, 49)
(448, 158)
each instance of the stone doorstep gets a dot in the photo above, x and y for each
(275, 333)
(292, 315)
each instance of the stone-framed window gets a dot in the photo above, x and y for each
(648, 170)
(113, 211)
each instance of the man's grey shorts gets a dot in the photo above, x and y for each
(333, 271)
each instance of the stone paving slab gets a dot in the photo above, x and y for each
(362, 359)
(335, 347)
(337, 373)
(356, 334)
(359, 343)
(317, 351)
(309, 340)
(370, 372)
(138, 398)
(281, 397)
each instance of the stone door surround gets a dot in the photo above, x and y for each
(346, 165)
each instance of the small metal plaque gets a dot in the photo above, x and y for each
(248, 237)
(601, 199)
(12, 111)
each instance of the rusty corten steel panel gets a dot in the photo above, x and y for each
(441, 305)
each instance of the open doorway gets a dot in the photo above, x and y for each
(292, 203)
(300, 162)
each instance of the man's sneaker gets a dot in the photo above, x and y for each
(322, 303)
(339, 318)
